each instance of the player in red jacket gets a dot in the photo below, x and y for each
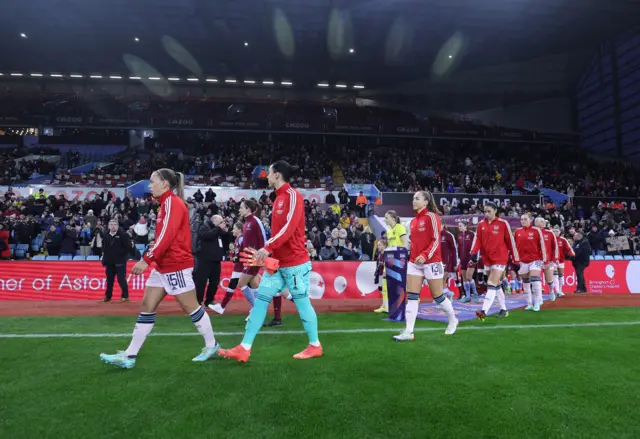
(564, 249)
(173, 274)
(288, 246)
(495, 241)
(551, 264)
(425, 262)
(450, 258)
(532, 251)
(250, 234)
(465, 241)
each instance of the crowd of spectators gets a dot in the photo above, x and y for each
(78, 227)
(488, 167)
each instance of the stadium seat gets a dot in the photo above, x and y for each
(12, 247)
(79, 258)
(141, 247)
(21, 251)
(618, 257)
(93, 258)
(597, 257)
(628, 257)
(66, 258)
(51, 258)
(38, 258)
(608, 258)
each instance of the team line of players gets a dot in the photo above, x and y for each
(494, 249)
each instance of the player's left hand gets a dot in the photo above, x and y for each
(260, 256)
(420, 260)
(140, 267)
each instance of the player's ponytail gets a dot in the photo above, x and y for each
(285, 169)
(431, 202)
(179, 189)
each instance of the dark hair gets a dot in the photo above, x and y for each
(252, 205)
(393, 214)
(285, 169)
(431, 202)
(493, 206)
(174, 179)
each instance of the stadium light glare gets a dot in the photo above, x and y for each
(154, 78)
(134, 77)
(16, 74)
(23, 35)
(75, 76)
(211, 80)
(450, 56)
(323, 84)
(341, 85)
(351, 50)
(246, 44)
(192, 79)
(173, 78)
(136, 39)
(37, 75)
(249, 81)
(56, 75)
(230, 81)
(358, 86)
(95, 76)
(267, 82)
(115, 77)
(286, 83)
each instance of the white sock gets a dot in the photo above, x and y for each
(561, 284)
(501, 299)
(411, 313)
(246, 346)
(202, 321)
(556, 283)
(447, 306)
(527, 291)
(536, 286)
(143, 328)
(488, 298)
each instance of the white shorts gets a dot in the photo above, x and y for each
(428, 271)
(236, 275)
(526, 267)
(173, 283)
(549, 266)
(561, 265)
(491, 268)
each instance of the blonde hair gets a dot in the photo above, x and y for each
(174, 179)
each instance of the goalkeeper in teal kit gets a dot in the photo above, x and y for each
(288, 247)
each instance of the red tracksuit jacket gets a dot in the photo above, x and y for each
(172, 249)
(287, 243)
(448, 248)
(551, 246)
(564, 248)
(425, 237)
(495, 241)
(530, 244)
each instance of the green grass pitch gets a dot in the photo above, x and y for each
(532, 381)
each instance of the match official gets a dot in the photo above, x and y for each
(213, 241)
(116, 248)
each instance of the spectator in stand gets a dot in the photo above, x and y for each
(86, 235)
(141, 231)
(343, 196)
(5, 250)
(330, 198)
(53, 241)
(69, 243)
(367, 243)
(328, 252)
(361, 203)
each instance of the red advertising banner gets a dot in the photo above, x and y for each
(31, 280)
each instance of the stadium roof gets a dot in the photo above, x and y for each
(377, 43)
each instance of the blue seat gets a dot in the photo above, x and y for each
(141, 247)
(35, 247)
(608, 258)
(51, 258)
(93, 258)
(79, 258)
(38, 258)
(597, 257)
(20, 251)
(66, 258)
(628, 257)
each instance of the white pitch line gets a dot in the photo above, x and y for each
(331, 331)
